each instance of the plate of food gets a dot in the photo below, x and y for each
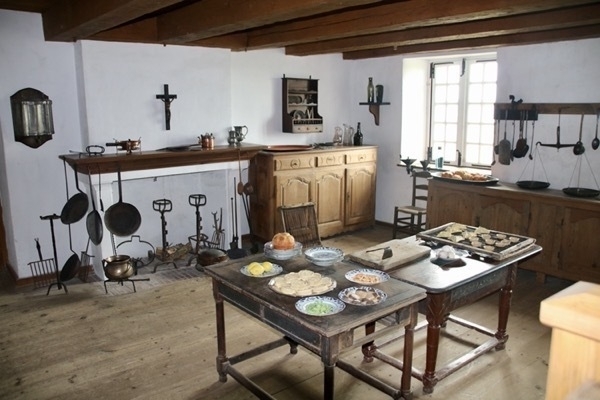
(320, 306)
(466, 177)
(362, 296)
(367, 276)
(302, 283)
(283, 246)
(261, 269)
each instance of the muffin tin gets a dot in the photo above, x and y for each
(494, 244)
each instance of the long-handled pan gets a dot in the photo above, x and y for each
(504, 146)
(71, 267)
(93, 221)
(77, 205)
(122, 219)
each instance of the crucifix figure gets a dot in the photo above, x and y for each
(167, 99)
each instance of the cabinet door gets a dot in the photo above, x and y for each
(504, 215)
(292, 189)
(450, 205)
(329, 186)
(360, 194)
(580, 245)
(544, 227)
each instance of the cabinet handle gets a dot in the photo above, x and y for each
(360, 158)
(330, 160)
(294, 163)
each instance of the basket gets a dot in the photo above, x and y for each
(43, 273)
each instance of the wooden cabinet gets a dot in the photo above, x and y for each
(340, 180)
(566, 227)
(300, 103)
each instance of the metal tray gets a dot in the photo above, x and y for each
(533, 185)
(499, 253)
(489, 182)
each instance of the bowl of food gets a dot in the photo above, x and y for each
(283, 246)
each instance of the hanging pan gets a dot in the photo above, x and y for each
(504, 146)
(71, 267)
(76, 207)
(93, 222)
(122, 219)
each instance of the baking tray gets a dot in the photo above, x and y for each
(498, 253)
(490, 181)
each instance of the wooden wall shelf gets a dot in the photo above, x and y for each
(374, 109)
(143, 160)
(545, 108)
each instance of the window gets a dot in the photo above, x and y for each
(462, 96)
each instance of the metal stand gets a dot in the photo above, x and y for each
(197, 200)
(120, 282)
(58, 282)
(163, 206)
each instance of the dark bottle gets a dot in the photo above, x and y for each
(358, 136)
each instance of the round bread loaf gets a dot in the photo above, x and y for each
(283, 241)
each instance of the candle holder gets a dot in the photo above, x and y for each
(408, 162)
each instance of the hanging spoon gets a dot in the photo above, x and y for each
(532, 139)
(596, 141)
(579, 149)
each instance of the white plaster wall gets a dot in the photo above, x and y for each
(32, 180)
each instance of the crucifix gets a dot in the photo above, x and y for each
(167, 99)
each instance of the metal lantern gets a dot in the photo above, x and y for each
(32, 117)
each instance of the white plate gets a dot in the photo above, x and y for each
(275, 270)
(282, 254)
(367, 276)
(320, 306)
(362, 296)
(324, 256)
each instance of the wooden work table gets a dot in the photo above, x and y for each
(112, 161)
(326, 336)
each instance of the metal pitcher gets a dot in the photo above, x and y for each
(240, 132)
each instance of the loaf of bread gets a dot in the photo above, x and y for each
(283, 241)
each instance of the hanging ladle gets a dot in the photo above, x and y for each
(596, 141)
(579, 148)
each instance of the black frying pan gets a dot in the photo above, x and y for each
(93, 222)
(71, 267)
(122, 219)
(76, 207)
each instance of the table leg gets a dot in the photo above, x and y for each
(436, 315)
(409, 331)
(221, 347)
(328, 384)
(369, 348)
(504, 307)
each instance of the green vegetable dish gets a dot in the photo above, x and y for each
(320, 305)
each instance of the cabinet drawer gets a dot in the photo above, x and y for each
(288, 163)
(330, 159)
(353, 157)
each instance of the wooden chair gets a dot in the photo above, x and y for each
(410, 219)
(300, 220)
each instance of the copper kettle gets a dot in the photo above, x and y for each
(207, 141)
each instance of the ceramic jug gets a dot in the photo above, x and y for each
(240, 132)
(348, 135)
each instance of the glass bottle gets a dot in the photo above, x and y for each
(358, 136)
(439, 158)
(370, 91)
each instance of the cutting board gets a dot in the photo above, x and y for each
(404, 251)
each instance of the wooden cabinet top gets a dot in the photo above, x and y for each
(510, 190)
(268, 153)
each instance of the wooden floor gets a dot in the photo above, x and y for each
(159, 343)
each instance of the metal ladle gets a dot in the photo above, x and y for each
(596, 141)
(579, 148)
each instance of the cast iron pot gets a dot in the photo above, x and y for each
(118, 267)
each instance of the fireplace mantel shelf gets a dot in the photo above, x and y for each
(143, 160)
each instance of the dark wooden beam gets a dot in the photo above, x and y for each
(389, 16)
(584, 32)
(70, 20)
(208, 18)
(542, 21)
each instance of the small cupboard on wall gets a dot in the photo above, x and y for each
(564, 226)
(300, 103)
(340, 181)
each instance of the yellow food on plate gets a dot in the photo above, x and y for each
(256, 269)
(267, 266)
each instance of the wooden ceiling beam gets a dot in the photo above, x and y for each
(548, 20)
(209, 18)
(70, 20)
(389, 16)
(557, 35)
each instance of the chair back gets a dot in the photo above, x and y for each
(300, 220)
(420, 187)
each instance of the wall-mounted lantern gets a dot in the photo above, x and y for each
(32, 117)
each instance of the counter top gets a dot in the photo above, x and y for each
(143, 160)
